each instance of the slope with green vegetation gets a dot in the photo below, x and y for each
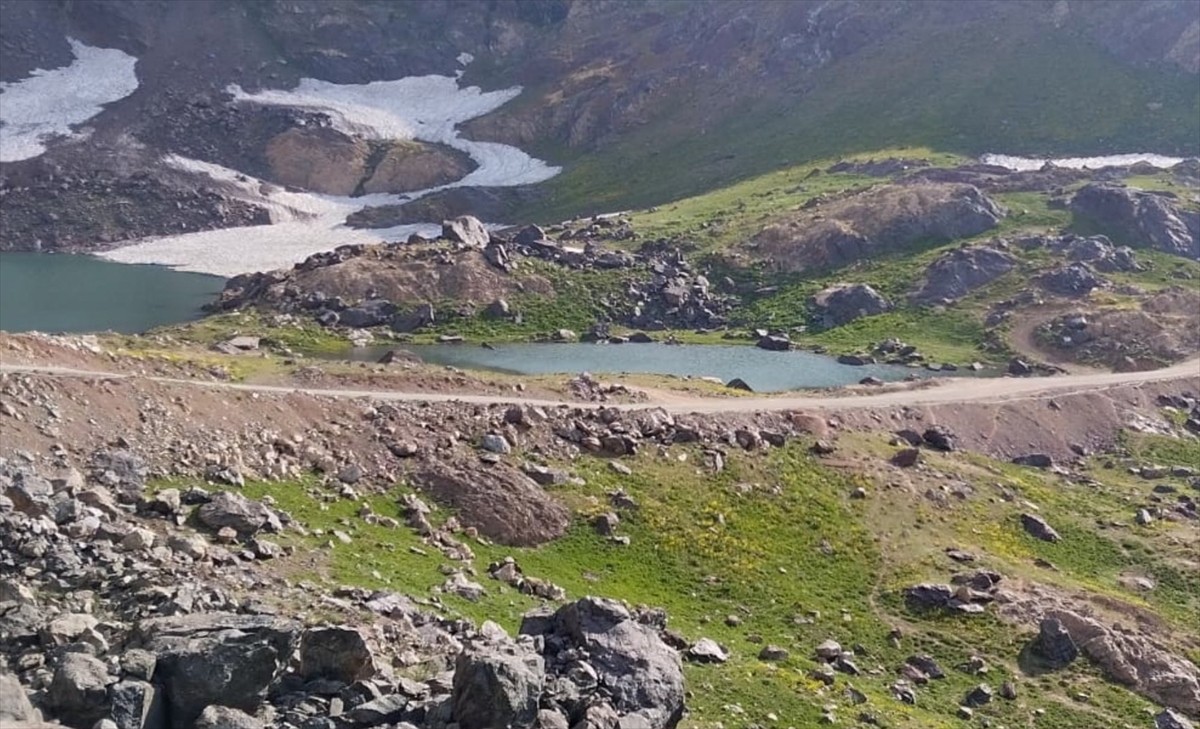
(778, 542)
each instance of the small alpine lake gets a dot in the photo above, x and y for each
(764, 371)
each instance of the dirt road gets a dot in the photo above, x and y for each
(964, 390)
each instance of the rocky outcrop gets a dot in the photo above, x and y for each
(407, 165)
(1141, 218)
(631, 672)
(368, 279)
(497, 686)
(318, 159)
(959, 272)
(843, 303)
(1135, 661)
(888, 218)
(1074, 280)
(216, 659)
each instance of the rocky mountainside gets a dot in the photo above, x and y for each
(641, 102)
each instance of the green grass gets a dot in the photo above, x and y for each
(799, 562)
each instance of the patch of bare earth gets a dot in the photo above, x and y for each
(1161, 329)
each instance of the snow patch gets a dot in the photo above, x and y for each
(426, 108)
(49, 103)
(1026, 164)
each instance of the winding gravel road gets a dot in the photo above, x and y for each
(946, 391)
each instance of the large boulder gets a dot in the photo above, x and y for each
(466, 229)
(243, 515)
(338, 653)
(959, 272)
(216, 658)
(137, 705)
(636, 672)
(500, 501)
(78, 693)
(843, 303)
(1141, 218)
(1039, 528)
(15, 706)
(497, 686)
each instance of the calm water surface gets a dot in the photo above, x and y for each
(762, 370)
(74, 293)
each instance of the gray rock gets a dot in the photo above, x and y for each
(828, 650)
(466, 229)
(138, 663)
(137, 705)
(642, 675)
(243, 515)
(906, 457)
(498, 309)
(940, 438)
(550, 719)
(14, 703)
(544, 475)
(843, 303)
(707, 650)
(773, 652)
(67, 628)
(1019, 367)
(30, 494)
(223, 717)
(928, 596)
(1036, 460)
(1054, 643)
(119, 468)
(494, 443)
(978, 696)
(1171, 719)
(78, 693)
(380, 710)
(216, 658)
(1037, 527)
(166, 502)
(420, 317)
(1077, 279)
(337, 653)
(497, 686)
(606, 524)
(774, 343)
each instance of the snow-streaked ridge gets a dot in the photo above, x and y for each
(49, 103)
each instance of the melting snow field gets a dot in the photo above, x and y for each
(1026, 164)
(425, 108)
(49, 103)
